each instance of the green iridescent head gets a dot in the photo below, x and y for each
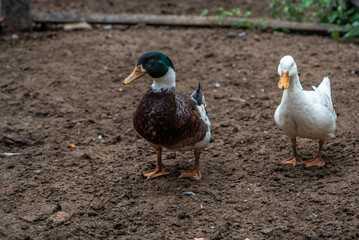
(155, 64)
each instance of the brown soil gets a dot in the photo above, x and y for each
(183, 7)
(61, 88)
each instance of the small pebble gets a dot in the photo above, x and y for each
(189, 193)
(238, 99)
(269, 231)
(99, 137)
(108, 27)
(217, 85)
(37, 171)
(15, 37)
(242, 34)
(30, 219)
(58, 218)
(10, 154)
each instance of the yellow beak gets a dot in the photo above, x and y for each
(284, 80)
(136, 73)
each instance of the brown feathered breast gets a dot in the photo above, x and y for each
(169, 119)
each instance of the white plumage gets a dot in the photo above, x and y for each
(306, 114)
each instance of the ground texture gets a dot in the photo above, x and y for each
(60, 88)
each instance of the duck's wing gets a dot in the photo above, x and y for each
(192, 118)
(321, 94)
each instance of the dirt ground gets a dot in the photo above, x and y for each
(183, 7)
(59, 88)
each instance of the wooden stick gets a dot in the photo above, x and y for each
(174, 20)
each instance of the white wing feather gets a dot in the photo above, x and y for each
(322, 94)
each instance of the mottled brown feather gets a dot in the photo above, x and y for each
(169, 119)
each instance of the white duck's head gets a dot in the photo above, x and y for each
(287, 69)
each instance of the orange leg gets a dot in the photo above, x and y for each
(195, 172)
(318, 160)
(295, 159)
(159, 170)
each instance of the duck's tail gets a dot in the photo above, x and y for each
(198, 96)
(324, 93)
(324, 87)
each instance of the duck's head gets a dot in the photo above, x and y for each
(155, 64)
(287, 69)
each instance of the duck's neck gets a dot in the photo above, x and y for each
(294, 92)
(166, 82)
(294, 85)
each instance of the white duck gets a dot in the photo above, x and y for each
(306, 114)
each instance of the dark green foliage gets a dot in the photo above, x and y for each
(340, 12)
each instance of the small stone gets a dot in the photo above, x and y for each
(237, 99)
(242, 34)
(77, 26)
(87, 140)
(313, 216)
(269, 231)
(15, 37)
(37, 171)
(58, 218)
(189, 193)
(217, 85)
(30, 219)
(108, 27)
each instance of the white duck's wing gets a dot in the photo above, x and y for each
(322, 95)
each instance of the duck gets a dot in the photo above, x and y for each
(304, 114)
(167, 118)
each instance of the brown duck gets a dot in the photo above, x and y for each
(169, 119)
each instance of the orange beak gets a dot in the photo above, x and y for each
(284, 80)
(136, 73)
